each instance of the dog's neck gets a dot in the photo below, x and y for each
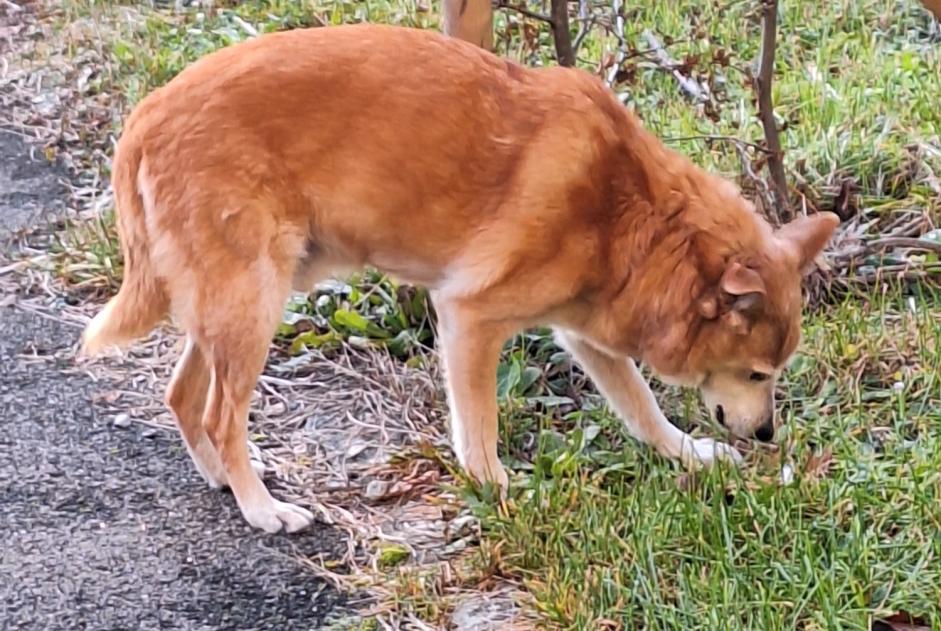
(673, 229)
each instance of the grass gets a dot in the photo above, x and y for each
(602, 532)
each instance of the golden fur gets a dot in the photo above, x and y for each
(470, 20)
(932, 5)
(518, 196)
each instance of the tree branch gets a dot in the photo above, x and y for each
(526, 12)
(689, 86)
(620, 54)
(769, 31)
(715, 138)
(561, 34)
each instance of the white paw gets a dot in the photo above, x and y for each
(215, 479)
(207, 462)
(704, 452)
(275, 516)
(488, 470)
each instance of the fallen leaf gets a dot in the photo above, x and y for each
(846, 204)
(818, 465)
(684, 481)
(392, 554)
(901, 621)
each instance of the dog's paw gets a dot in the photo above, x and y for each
(704, 452)
(212, 473)
(494, 474)
(277, 516)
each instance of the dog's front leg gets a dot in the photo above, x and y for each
(470, 349)
(621, 383)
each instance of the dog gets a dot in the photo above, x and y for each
(519, 197)
(470, 20)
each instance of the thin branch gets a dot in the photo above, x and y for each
(896, 272)
(769, 30)
(691, 87)
(561, 34)
(713, 138)
(583, 32)
(879, 246)
(762, 190)
(526, 12)
(621, 54)
(586, 22)
(907, 242)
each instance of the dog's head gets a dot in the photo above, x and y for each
(749, 326)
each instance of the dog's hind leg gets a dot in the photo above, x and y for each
(236, 328)
(621, 383)
(186, 397)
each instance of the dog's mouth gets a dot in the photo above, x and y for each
(720, 415)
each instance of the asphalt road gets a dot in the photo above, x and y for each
(109, 528)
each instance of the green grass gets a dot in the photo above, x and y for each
(604, 533)
(614, 533)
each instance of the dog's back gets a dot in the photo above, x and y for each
(331, 145)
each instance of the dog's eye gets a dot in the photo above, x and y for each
(759, 376)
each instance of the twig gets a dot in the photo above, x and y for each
(691, 87)
(586, 23)
(250, 30)
(896, 272)
(561, 34)
(711, 138)
(620, 55)
(526, 12)
(761, 186)
(907, 242)
(769, 30)
(880, 245)
(583, 32)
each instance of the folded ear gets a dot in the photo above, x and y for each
(740, 280)
(741, 291)
(805, 237)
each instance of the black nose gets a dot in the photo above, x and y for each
(765, 433)
(720, 415)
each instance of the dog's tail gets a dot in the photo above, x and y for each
(142, 301)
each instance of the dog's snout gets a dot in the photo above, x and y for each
(720, 415)
(765, 433)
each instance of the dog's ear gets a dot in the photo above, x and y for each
(742, 290)
(741, 280)
(805, 237)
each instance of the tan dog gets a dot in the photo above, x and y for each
(519, 197)
(470, 20)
